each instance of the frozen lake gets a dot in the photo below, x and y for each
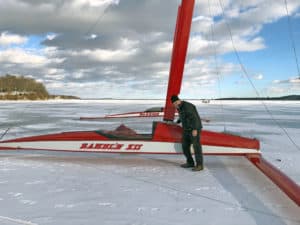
(113, 189)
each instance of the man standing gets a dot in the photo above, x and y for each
(191, 124)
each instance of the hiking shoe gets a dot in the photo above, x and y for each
(198, 168)
(187, 165)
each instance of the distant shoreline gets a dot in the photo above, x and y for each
(63, 97)
(34, 97)
(282, 98)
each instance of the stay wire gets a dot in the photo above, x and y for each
(216, 65)
(100, 17)
(252, 84)
(292, 37)
(4, 133)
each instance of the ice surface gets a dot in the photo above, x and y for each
(118, 189)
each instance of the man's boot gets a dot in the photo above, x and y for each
(198, 168)
(187, 165)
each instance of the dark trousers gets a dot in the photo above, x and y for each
(187, 140)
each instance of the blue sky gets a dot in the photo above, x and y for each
(274, 62)
(128, 52)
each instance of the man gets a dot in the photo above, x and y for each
(191, 124)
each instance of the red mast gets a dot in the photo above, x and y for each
(180, 44)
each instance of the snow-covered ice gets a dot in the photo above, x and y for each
(114, 189)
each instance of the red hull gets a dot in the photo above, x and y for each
(286, 184)
(162, 132)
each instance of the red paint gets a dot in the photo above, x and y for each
(162, 132)
(130, 115)
(165, 132)
(65, 136)
(118, 152)
(134, 147)
(227, 140)
(102, 146)
(286, 184)
(180, 45)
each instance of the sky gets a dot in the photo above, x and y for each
(122, 48)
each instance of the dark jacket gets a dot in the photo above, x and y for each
(189, 117)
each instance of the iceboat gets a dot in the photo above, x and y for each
(166, 136)
(154, 112)
(148, 113)
(164, 139)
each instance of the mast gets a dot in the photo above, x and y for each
(180, 44)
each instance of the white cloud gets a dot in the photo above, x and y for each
(94, 3)
(201, 18)
(164, 48)
(128, 49)
(295, 80)
(20, 56)
(258, 77)
(292, 80)
(282, 87)
(8, 39)
(198, 46)
(80, 73)
(56, 77)
(242, 45)
(92, 36)
(275, 90)
(103, 55)
(128, 44)
(51, 36)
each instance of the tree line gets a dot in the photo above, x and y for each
(15, 87)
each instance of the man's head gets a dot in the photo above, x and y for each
(176, 101)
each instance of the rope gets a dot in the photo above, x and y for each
(250, 81)
(97, 21)
(4, 133)
(292, 37)
(217, 66)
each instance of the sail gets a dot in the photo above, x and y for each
(180, 44)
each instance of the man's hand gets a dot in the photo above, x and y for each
(194, 133)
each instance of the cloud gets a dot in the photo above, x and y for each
(258, 77)
(164, 48)
(125, 46)
(93, 3)
(274, 90)
(102, 55)
(281, 87)
(292, 80)
(7, 39)
(19, 56)
(51, 36)
(295, 80)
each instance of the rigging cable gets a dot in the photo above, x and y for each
(216, 64)
(91, 28)
(250, 81)
(4, 133)
(292, 37)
